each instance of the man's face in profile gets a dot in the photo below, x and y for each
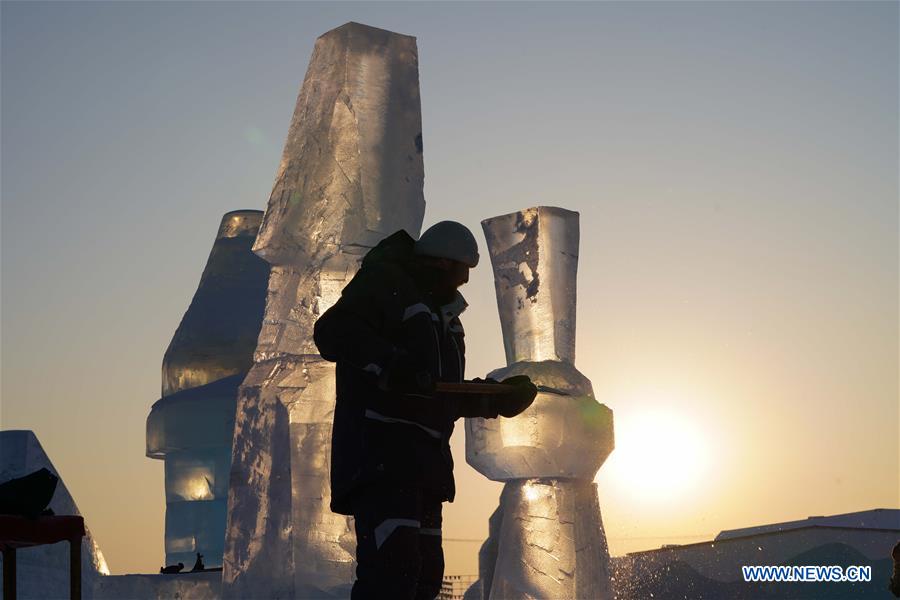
(452, 274)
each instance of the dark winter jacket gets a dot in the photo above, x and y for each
(380, 435)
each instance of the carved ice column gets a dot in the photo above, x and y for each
(351, 174)
(191, 426)
(546, 538)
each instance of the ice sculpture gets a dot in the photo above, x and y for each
(202, 585)
(43, 571)
(191, 426)
(351, 174)
(546, 538)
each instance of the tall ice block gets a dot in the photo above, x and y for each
(351, 174)
(192, 425)
(546, 537)
(534, 253)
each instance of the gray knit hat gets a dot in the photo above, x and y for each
(449, 239)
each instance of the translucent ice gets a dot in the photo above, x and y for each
(217, 334)
(546, 538)
(546, 541)
(558, 436)
(350, 175)
(351, 172)
(192, 425)
(534, 254)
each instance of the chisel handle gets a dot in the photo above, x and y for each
(467, 387)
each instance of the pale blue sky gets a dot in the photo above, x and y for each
(734, 164)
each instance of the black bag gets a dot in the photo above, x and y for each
(28, 496)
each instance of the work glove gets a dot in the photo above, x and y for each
(404, 375)
(516, 402)
(474, 406)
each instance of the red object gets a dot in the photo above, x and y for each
(19, 532)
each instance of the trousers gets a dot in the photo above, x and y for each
(398, 544)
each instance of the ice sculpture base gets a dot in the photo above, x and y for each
(553, 543)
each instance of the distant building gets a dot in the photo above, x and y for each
(713, 569)
(455, 586)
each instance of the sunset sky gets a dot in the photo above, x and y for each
(735, 166)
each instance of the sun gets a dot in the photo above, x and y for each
(659, 455)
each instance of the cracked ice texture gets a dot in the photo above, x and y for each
(552, 542)
(534, 253)
(546, 538)
(351, 174)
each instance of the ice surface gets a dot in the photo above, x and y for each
(192, 431)
(195, 586)
(191, 427)
(200, 418)
(282, 536)
(546, 539)
(217, 334)
(558, 436)
(43, 571)
(534, 253)
(351, 174)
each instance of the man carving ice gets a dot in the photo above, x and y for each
(396, 335)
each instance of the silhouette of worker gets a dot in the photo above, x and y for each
(394, 333)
